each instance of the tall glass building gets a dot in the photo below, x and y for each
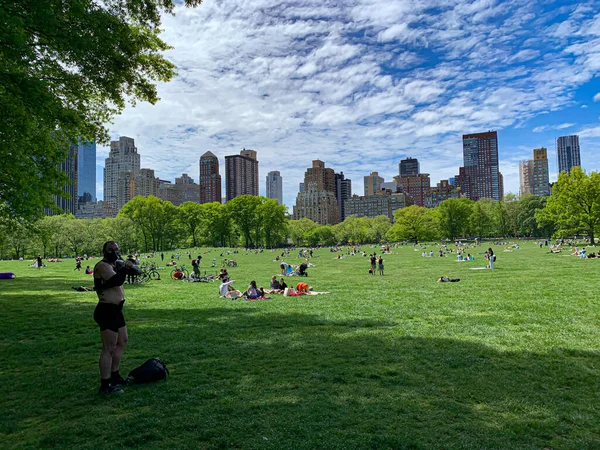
(567, 151)
(86, 170)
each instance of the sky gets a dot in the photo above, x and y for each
(362, 84)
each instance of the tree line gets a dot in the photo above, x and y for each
(149, 223)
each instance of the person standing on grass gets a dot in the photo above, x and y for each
(492, 258)
(109, 276)
(373, 263)
(380, 263)
(40, 263)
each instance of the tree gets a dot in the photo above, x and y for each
(153, 217)
(380, 226)
(18, 238)
(216, 223)
(528, 223)
(273, 221)
(300, 229)
(481, 219)
(322, 235)
(51, 233)
(76, 232)
(574, 206)
(243, 212)
(512, 210)
(454, 217)
(414, 223)
(189, 215)
(120, 229)
(67, 68)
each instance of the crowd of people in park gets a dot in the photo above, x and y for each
(112, 272)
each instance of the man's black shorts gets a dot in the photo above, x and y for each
(109, 316)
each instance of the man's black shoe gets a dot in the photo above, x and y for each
(119, 380)
(110, 389)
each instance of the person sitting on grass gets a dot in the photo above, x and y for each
(282, 285)
(284, 268)
(178, 274)
(252, 292)
(88, 271)
(302, 270)
(303, 288)
(223, 275)
(227, 290)
(275, 286)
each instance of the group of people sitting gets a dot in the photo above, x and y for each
(468, 257)
(299, 270)
(254, 292)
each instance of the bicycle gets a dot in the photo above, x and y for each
(229, 263)
(179, 273)
(212, 277)
(149, 275)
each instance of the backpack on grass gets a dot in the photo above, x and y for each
(152, 370)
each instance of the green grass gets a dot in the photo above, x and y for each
(502, 360)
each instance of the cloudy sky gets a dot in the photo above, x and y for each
(362, 84)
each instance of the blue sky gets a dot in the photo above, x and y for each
(362, 84)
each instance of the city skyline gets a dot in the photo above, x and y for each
(366, 85)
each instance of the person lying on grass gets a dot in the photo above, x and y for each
(448, 280)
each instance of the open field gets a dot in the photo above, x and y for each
(505, 359)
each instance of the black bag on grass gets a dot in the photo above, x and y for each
(152, 370)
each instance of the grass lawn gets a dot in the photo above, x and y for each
(504, 359)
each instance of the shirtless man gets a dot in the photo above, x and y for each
(109, 276)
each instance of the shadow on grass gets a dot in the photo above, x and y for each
(250, 378)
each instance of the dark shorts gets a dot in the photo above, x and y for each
(109, 316)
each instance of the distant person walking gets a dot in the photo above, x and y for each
(162, 256)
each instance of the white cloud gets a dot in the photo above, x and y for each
(338, 81)
(560, 126)
(597, 97)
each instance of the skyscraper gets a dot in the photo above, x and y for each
(481, 171)
(373, 184)
(343, 191)
(241, 174)
(68, 202)
(567, 151)
(409, 167)
(274, 186)
(416, 186)
(210, 179)
(533, 174)
(86, 170)
(187, 189)
(123, 158)
(146, 183)
(318, 201)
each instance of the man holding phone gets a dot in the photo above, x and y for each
(109, 276)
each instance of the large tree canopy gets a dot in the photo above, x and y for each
(574, 206)
(66, 68)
